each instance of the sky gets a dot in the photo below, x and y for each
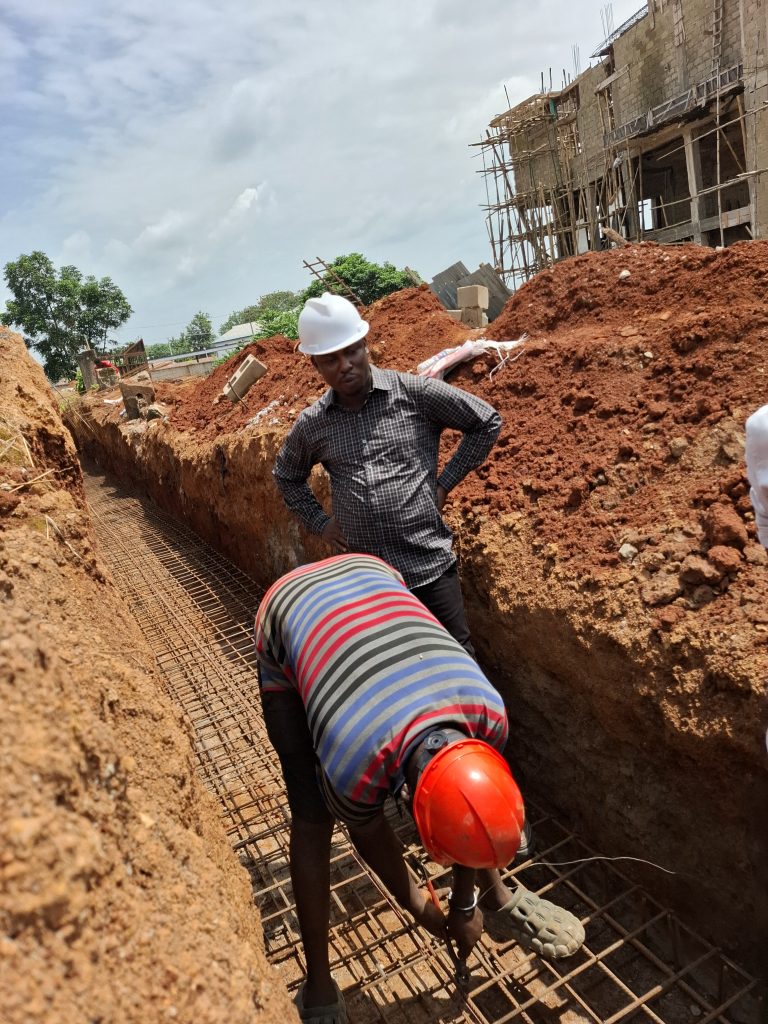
(197, 152)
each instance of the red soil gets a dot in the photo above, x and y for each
(622, 417)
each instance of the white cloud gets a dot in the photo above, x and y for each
(144, 135)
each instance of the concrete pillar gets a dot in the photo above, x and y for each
(594, 234)
(87, 363)
(630, 198)
(693, 167)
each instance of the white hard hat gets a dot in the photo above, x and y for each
(328, 324)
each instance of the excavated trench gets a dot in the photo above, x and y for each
(636, 685)
(195, 608)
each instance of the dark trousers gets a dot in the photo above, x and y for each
(444, 599)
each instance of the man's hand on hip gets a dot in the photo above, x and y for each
(442, 494)
(333, 536)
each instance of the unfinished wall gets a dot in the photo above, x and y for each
(120, 899)
(755, 34)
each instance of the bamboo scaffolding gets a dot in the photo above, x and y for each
(546, 202)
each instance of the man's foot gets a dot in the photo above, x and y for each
(332, 1013)
(541, 926)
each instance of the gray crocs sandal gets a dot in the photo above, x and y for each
(335, 1013)
(541, 926)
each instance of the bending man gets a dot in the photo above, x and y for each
(366, 695)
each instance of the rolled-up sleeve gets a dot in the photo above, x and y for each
(293, 465)
(452, 408)
(757, 469)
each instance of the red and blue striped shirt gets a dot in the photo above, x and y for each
(375, 671)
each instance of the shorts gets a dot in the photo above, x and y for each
(310, 795)
(286, 722)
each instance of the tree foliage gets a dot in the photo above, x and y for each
(159, 350)
(367, 280)
(61, 312)
(199, 332)
(280, 302)
(196, 336)
(271, 322)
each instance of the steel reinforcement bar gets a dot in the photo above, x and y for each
(639, 961)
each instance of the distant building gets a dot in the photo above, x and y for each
(665, 139)
(239, 335)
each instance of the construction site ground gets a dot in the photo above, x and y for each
(617, 597)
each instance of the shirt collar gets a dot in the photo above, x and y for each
(380, 381)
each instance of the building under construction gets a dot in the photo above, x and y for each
(664, 139)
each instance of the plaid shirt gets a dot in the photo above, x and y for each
(382, 461)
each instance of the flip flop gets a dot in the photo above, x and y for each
(335, 1013)
(541, 926)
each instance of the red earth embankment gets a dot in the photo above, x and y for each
(120, 899)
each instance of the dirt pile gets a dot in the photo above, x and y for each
(405, 328)
(120, 899)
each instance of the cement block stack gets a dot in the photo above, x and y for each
(473, 301)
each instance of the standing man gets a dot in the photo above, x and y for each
(366, 695)
(377, 433)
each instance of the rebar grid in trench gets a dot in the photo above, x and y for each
(196, 610)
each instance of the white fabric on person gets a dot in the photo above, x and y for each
(757, 469)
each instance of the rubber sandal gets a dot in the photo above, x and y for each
(335, 1013)
(541, 926)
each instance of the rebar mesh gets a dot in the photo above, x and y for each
(639, 962)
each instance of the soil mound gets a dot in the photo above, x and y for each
(614, 286)
(406, 327)
(120, 899)
(622, 417)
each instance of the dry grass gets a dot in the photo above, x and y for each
(14, 450)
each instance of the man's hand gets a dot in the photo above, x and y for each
(333, 536)
(465, 929)
(431, 918)
(442, 494)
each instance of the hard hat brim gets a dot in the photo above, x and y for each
(360, 333)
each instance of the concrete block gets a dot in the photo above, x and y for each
(136, 397)
(247, 373)
(473, 316)
(455, 314)
(87, 363)
(472, 295)
(106, 377)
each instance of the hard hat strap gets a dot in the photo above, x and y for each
(433, 743)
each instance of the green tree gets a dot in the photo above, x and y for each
(281, 302)
(367, 280)
(159, 350)
(61, 312)
(198, 334)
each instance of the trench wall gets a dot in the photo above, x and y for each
(120, 898)
(601, 725)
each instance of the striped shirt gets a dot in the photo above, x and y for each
(375, 672)
(382, 461)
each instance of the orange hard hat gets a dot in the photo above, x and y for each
(467, 807)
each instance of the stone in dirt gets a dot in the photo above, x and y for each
(725, 559)
(696, 569)
(723, 526)
(662, 589)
